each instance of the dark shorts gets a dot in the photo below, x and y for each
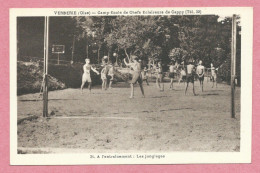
(190, 78)
(137, 77)
(201, 78)
(171, 75)
(183, 78)
(110, 78)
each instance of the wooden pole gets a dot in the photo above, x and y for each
(233, 65)
(73, 47)
(45, 68)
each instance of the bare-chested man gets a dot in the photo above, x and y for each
(137, 76)
(159, 78)
(190, 76)
(171, 74)
(86, 75)
(213, 75)
(200, 73)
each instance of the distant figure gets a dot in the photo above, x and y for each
(104, 72)
(200, 73)
(159, 79)
(171, 74)
(190, 76)
(86, 75)
(137, 76)
(145, 75)
(213, 75)
(182, 75)
(111, 75)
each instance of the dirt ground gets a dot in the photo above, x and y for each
(107, 121)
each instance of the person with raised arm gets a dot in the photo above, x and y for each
(137, 76)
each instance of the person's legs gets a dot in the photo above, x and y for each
(216, 81)
(110, 84)
(142, 89)
(89, 86)
(193, 88)
(161, 84)
(105, 82)
(202, 85)
(157, 83)
(213, 80)
(82, 85)
(147, 82)
(132, 90)
(186, 87)
(172, 83)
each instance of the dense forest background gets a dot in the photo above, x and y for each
(151, 38)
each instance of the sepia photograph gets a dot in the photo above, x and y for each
(123, 83)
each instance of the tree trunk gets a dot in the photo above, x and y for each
(99, 54)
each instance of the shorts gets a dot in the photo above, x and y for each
(214, 78)
(110, 77)
(183, 78)
(86, 77)
(201, 78)
(160, 76)
(190, 78)
(103, 76)
(171, 75)
(137, 77)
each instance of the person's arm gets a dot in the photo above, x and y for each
(127, 64)
(94, 70)
(203, 71)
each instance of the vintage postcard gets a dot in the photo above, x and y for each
(130, 85)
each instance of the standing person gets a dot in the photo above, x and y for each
(145, 75)
(86, 75)
(111, 75)
(171, 74)
(137, 76)
(190, 76)
(104, 72)
(200, 73)
(182, 75)
(213, 75)
(159, 79)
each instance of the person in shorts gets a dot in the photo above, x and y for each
(190, 76)
(159, 78)
(213, 75)
(200, 72)
(182, 75)
(111, 75)
(86, 78)
(104, 77)
(145, 75)
(171, 74)
(137, 76)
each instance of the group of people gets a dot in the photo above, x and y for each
(107, 74)
(186, 74)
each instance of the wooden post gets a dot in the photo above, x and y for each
(73, 47)
(45, 68)
(233, 65)
(58, 61)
